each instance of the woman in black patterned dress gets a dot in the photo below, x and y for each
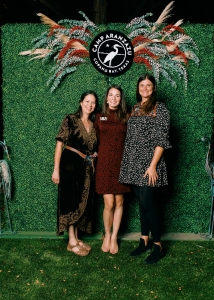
(74, 174)
(143, 165)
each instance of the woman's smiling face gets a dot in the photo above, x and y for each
(88, 104)
(113, 98)
(146, 89)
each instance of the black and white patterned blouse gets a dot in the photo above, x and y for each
(144, 134)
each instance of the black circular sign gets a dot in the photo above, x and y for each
(111, 53)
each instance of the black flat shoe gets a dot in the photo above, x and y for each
(157, 253)
(141, 248)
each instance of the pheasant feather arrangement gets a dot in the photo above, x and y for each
(163, 49)
(66, 42)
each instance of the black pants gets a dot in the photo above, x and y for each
(148, 214)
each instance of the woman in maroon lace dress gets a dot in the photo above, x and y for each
(111, 127)
(74, 172)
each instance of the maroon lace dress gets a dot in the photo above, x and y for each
(111, 136)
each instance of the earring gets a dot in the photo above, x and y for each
(107, 101)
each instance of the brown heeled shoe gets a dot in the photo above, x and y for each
(81, 251)
(84, 245)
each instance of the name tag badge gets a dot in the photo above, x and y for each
(103, 118)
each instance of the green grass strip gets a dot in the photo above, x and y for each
(44, 269)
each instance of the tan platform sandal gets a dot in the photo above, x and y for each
(81, 251)
(84, 245)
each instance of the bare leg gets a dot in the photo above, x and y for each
(118, 212)
(76, 232)
(73, 244)
(145, 238)
(159, 244)
(72, 231)
(108, 220)
(81, 243)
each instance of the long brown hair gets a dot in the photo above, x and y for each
(78, 113)
(121, 111)
(150, 103)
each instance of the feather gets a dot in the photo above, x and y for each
(178, 58)
(157, 40)
(37, 51)
(181, 39)
(189, 55)
(45, 20)
(179, 22)
(28, 52)
(38, 57)
(171, 48)
(77, 45)
(64, 38)
(5, 178)
(181, 58)
(164, 15)
(173, 45)
(72, 44)
(139, 47)
(174, 27)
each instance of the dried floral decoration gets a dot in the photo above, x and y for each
(67, 46)
(164, 49)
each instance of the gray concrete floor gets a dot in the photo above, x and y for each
(170, 236)
(134, 236)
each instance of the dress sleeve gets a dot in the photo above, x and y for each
(64, 130)
(162, 126)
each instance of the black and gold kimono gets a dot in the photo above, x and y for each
(76, 187)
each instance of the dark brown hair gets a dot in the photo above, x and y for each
(150, 103)
(121, 111)
(78, 113)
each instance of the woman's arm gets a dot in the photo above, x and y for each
(162, 142)
(57, 157)
(151, 172)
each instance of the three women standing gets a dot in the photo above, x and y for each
(111, 127)
(74, 172)
(143, 165)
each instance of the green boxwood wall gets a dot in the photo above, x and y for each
(32, 115)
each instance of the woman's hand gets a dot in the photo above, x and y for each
(152, 174)
(57, 157)
(55, 177)
(94, 154)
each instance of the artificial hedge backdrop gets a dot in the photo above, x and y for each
(32, 115)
